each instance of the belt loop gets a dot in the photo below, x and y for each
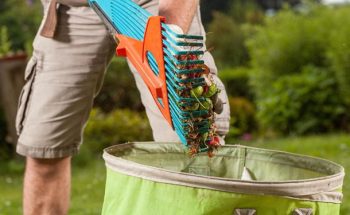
(49, 27)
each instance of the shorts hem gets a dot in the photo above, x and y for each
(40, 152)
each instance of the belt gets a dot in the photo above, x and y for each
(50, 23)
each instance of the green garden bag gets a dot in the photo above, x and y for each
(148, 178)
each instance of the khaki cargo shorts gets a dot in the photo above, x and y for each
(64, 75)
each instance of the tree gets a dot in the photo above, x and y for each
(22, 21)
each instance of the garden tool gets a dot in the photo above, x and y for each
(170, 65)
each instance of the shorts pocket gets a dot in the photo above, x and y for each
(25, 93)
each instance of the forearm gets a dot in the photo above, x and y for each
(178, 12)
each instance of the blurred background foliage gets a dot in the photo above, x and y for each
(118, 126)
(22, 19)
(5, 43)
(119, 90)
(299, 85)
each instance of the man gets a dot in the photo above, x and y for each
(71, 53)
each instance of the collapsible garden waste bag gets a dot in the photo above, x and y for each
(147, 178)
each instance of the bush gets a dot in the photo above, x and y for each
(227, 34)
(119, 89)
(116, 127)
(246, 11)
(5, 44)
(303, 103)
(227, 40)
(242, 117)
(236, 82)
(339, 51)
(296, 73)
(22, 20)
(285, 45)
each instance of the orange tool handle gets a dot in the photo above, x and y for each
(136, 52)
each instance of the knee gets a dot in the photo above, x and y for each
(47, 168)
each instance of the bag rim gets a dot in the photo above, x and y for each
(325, 188)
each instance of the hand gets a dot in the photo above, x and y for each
(218, 105)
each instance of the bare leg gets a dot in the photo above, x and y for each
(47, 186)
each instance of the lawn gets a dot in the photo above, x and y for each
(87, 190)
(335, 147)
(88, 179)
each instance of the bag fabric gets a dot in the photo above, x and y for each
(160, 178)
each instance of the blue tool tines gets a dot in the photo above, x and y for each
(182, 74)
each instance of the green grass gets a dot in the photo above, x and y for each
(10, 191)
(88, 188)
(89, 178)
(335, 147)
(88, 182)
